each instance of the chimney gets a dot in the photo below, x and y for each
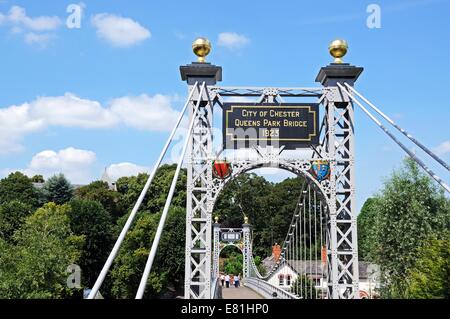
(276, 251)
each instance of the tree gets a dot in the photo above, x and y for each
(12, 216)
(268, 206)
(155, 199)
(36, 267)
(410, 209)
(282, 202)
(367, 226)
(261, 269)
(247, 195)
(429, 277)
(99, 191)
(18, 187)
(58, 190)
(171, 257)
(305, 288)
(91, 220)
(130, 261)
(232, 261)
(38, 179)
(168, 269)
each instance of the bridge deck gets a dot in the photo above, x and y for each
(240, 293)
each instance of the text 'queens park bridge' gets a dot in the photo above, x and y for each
(306, 131)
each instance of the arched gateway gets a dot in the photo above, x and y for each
(261, 121)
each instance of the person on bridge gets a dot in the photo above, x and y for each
(236, 281)
(222, 279)
(227, 281)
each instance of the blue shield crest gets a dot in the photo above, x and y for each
(321, 170)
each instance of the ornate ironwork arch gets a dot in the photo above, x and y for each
(300, 168)
(230, 245)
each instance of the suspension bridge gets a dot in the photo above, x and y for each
(307, 131)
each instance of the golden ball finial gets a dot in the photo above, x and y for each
(338, 49)
(245, 220)
(201, 47)
(217, 219)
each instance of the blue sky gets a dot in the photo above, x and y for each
(79, 100)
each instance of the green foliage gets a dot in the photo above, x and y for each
(367, 227)
(258, 262)
(429, 278)
(35, 268)
(131, 187)
(58, 190)
(12, 216)
(18, 187)
(268, 206)
(232, 260)
(168, 269)
(91, 220)
(38, 179)
(305, 288)
(408, 211)
(170, 257)
(130, 261)
(99, 191)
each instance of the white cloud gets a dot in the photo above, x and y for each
(232, 40)
(42, 40)
(18, 16)
(116, 171)
(74, 163)
(37, 28)
(119, 31)
(72, 111)
(152, 113)
(145, 112)
(14, 124)
(443, 148)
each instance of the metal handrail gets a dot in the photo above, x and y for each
(267, 290)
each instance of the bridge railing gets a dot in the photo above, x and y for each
(267, 290)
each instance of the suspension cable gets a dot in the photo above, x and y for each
(302, 248)
(404, 132)
(155, 244)
(310, 240)
(123, 233)
(411, 154)
(315, 241)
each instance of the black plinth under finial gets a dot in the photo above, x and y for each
(339, 73)
(201, 72)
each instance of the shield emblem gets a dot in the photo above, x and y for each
(221, 169)
(321, 170)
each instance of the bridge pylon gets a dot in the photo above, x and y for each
(339, 146)
(199, 182)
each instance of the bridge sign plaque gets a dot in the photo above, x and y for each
(231, 236)
(287, 124)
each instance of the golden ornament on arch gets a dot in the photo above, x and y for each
(338, 49)
(201, 47)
